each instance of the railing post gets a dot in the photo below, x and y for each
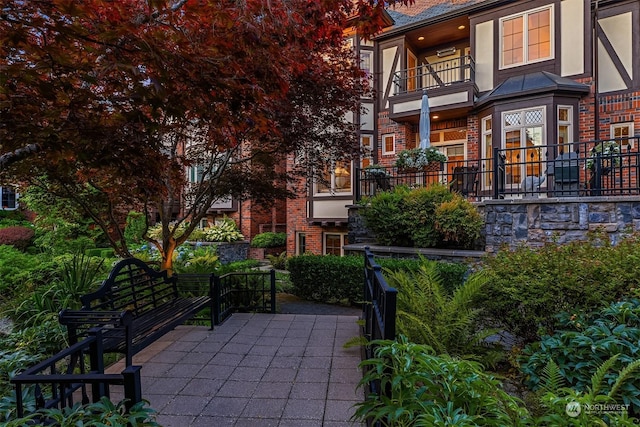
(358, 183)
(216, 299)
(96, 362)
(212, 303)
(272, 276)
(132, 386)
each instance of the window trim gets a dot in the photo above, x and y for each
(568, 123)
(343, 237)
(332, 189)
(16, 196)
(384, 144)
(485, 132)
(525, 45)
(299, 235)
(629, 125)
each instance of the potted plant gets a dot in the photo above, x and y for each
(609, 154)
(419, 158)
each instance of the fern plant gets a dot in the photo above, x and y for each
(448, 323)
(566, 406)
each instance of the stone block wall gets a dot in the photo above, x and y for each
(562, 220)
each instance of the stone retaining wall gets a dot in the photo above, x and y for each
(535, 221)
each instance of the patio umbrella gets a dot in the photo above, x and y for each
(424, 125)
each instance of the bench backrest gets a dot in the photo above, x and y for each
(132, 285)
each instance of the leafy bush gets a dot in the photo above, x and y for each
(269, 239)
(423, 217)
(419, 214)
(326, 278)
(12, 218)
(384, 215)
(428, 390)
(21, 272)
(102, 413)
(17, 236)
(427, 314)
(528, 286)
(246, 265)
(201, 260)
(225, 231)
(589, 406)
(458, 222)
(584, 343)
(135, 228)
(278, 262)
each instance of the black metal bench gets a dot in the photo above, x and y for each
(134, 306)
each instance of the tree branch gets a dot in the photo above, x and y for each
(14, 156)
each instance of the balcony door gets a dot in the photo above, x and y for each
(523, 141)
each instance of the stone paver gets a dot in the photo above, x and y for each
(255, 370)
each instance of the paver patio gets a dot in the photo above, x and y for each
(285, 370)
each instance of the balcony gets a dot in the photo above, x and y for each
(450, 85)
(579, 169)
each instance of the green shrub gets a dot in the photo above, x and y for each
(245, 265)
(269, 239)
(21, 272)
(584, 343)
(278, 262)
(225, 231)
(17, 236)
(458, 222)
(102, 413)
(419, 214)
(327, 278)
(424, 217)
(528, 286)
(384, 216)
(427, 390)
(135, 227)
(201, 260)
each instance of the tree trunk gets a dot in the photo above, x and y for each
(167, 255)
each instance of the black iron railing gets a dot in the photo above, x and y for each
(253, 291)
(435, 75)
(57, 381)
(378, 311)
(577, 169)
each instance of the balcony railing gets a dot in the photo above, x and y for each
(578, 169)
(435, 75)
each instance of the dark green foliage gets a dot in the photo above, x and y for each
(245, 265)
(423, 217)
(583, 343)
(528, 286)
(458, 222)
(12, 218)
(327, 278)
(102, 413)
(20, 272)
(278, 262)
(135, 228)
(316, 277)
(18, 236)
(269, 239)
(428, 390)
(419, 214)
(384, 215)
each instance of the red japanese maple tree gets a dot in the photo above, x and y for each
(107, 103)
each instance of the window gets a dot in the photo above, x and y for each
(196, 174)
(526, 38)
(366, 142)
(487, 152)
(524, 136)
(388, 144)
(366, 65)
(9, 198)
(622, 130)
(333, 243)
(565, 128)
(301, 243)
(337, 180)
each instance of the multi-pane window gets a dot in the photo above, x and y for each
(565, 128)
(487, 151)
(388, 144)
(333, 243)
(524, 137)
(336, 180)
(623, 130)
(301, 243)
(526, 37)
(366, 65)
(8, 198)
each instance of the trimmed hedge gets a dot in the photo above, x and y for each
(330, 278)
(269, 239)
